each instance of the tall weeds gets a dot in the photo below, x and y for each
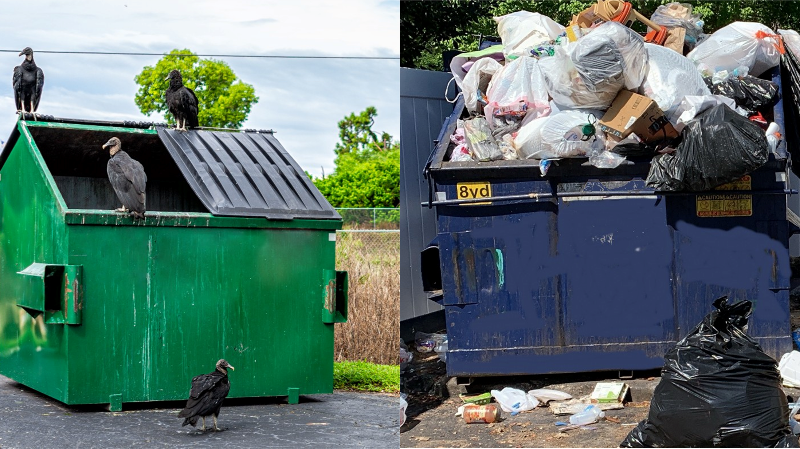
(373, 326)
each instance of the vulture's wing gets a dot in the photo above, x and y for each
(203, 383)
(39, 86)
(121, 177)
(135, 173)
(189, 105)
(17, 82)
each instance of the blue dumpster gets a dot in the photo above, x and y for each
(587, 269)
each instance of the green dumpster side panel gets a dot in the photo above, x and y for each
(31, 230)
(172, 301)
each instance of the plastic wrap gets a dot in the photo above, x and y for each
(516, 93)
(751, 93)
(476, 83)
(590, 72)
(717, 389)
(523, 31)
(719, 146)
(741, 43)
(513, 401)
(665, 15)
(669, 77)
(480, 141)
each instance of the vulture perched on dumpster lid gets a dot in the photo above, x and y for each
(182, 102)
(28, 82)
(127, 178)
(206, 396)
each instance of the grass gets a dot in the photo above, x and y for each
(365, 376)
(373, 328)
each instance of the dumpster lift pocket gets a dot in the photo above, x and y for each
(472, 268)
(55, 291)
(334, 307)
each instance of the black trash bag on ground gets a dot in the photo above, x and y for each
(718, 146)
(750, 93)
(717, 389)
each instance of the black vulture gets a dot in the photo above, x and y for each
(208, 392)
(127, 178)
(28, 82)
(182, 102)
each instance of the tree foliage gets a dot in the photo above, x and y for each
(428, 28)
(367, 170)
(224, 101)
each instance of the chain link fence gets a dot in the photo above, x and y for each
(372, 259)
(370, 217)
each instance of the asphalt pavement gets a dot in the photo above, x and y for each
(29, 419)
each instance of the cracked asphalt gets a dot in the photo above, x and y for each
(29, 419)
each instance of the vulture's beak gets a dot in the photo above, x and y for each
(105, 145)
(231, 367)
(165, 79)
(21, 53)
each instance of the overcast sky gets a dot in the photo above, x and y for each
(301, 99)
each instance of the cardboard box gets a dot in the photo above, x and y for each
(609, 392)
(634, 113)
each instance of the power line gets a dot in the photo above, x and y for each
(212, 56)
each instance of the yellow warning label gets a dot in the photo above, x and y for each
(738, 205)
(472, 190)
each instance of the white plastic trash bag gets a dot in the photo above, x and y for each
(528, 141)
(517, 90)
(789, 366)
(590, 72)
(566, 134)
(512, 400)
(791, 39)
(748, 44)
(522, 31)
(462, 63)
(476, 83)
(691, 106)
(403, 406)
(670, 76)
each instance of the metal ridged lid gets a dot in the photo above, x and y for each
(245, 174)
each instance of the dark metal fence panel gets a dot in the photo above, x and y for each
(423, 109)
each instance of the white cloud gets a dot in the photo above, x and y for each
(301, 99)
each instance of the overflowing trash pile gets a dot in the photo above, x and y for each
(699, 105)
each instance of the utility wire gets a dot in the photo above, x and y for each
(213, 56)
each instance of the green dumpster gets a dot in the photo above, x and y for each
(234, 260)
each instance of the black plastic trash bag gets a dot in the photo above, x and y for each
(717, 389)
(719, 146)
(750, 93)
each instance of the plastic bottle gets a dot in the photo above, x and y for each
(589, 415)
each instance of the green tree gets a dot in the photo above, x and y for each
(367, 172)
(224, 101)
(429, 28)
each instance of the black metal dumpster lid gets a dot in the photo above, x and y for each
(245, 174)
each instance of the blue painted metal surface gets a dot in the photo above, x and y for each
(588, 283)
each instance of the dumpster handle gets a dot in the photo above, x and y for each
(548, 195)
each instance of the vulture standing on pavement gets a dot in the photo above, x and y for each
(28, 82)
(182, 102)
(205, 399)
(127, 178)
